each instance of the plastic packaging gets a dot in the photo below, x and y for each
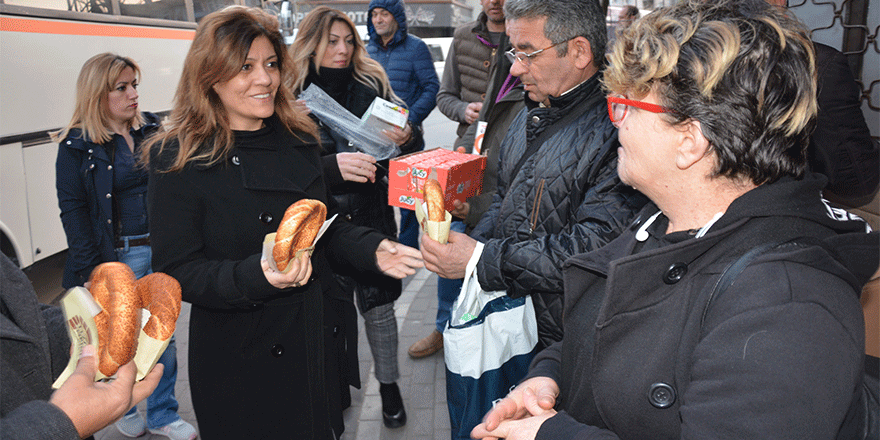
(366, 138)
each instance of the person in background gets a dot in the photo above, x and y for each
(329, 53)
(841, 147)
(269, 352)
(410, 70)
(557, 193)
(34, 350)
(651, 348)
(462, 91)
(103, 201)
(627, 15)
(468, 62)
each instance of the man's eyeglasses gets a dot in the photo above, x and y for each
(526, 58)
(618, 106)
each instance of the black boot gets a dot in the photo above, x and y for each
(393, 413)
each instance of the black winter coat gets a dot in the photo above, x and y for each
(777, 355)
(565, 199)
(263, 362)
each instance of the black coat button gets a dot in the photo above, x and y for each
(277, 350)
(674, 273)
(235, 160)
(335, 331)
(348, 217)
(661, 395)
(265, 217)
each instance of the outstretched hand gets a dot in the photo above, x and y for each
(398, 260)
(93, 405)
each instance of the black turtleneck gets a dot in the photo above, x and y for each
(333, 81)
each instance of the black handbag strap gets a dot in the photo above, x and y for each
(734, 269)
(862, 421)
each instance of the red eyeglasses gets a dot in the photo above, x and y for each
(618, 106)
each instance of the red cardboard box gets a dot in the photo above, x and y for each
(460, 175)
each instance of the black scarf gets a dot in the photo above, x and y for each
(333, 81)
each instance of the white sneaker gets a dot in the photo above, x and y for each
(179, 430)
(132, 425)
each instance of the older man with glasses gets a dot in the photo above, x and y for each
(558, 191)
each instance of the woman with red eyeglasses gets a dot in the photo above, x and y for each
(685, 326)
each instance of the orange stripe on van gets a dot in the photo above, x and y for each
(9, 24)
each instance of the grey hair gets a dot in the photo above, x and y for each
(566, 19)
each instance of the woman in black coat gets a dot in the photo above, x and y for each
(267, 352)
(328, 52)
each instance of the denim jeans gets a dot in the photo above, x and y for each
(409, 228)
(161, 405)
(447, 290)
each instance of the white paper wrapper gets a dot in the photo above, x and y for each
(438, 231)
(269, 245)
(79, 311)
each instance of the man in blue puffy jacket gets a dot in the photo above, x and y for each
(410, 69)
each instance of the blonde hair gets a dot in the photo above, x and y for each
(198, 120)
(743, 68)
(311, 43)
(91, 114)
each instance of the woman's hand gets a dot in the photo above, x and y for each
(356, 167)
(523, 429)
(397, 260)
(535, 397)
(300, 271)
(398, 136)
(300, 106)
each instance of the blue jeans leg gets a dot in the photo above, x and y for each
(161, 405)
(447, 290)
(409, 228)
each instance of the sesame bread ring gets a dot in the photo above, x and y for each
(298, 229)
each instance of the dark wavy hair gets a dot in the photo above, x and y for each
(198, 120)
(743, 68)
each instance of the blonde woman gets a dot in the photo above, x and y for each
(329, 53)
(102, 193)
(270, 353)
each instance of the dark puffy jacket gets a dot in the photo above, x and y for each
(407, 62)
(565, 199)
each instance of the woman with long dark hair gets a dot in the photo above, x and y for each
(269, 352)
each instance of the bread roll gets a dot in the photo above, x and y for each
(435, 200)
(298, 229)
(121, 297)
(112, 287)
(160, 294)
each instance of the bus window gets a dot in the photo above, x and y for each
(94, 6)
(204, 8)
(164, 9)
